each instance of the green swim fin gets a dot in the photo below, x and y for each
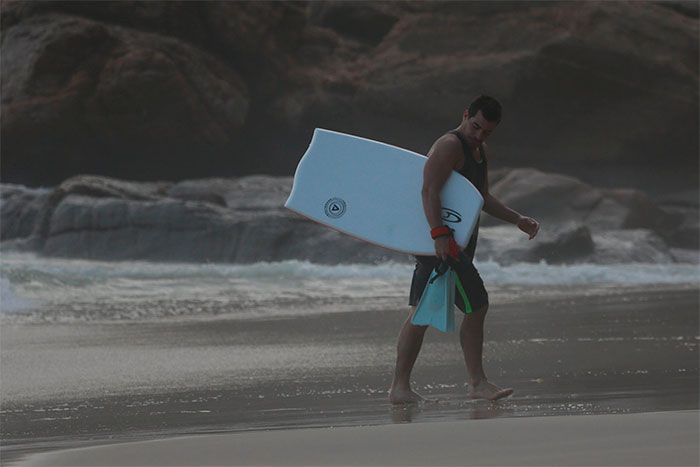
(436, 305)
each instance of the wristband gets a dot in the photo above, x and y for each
(442, 231)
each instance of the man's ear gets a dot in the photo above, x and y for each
(465, 115)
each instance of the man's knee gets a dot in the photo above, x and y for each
(479, 310)
(476, 316)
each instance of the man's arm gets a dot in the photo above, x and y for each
(444, 157)
(497, 209)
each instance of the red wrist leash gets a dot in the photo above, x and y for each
(442, 231)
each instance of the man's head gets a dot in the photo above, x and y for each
(481, 118)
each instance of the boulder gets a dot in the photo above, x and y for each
(82, 93)
(507, 245)
(631, 246)
(20, 209)
(687, 234)
(221, 220)
(570, 243)
(684, 205)
(556, 199)
(637, 211)
(366, 22)
(549, 198)
(253, 193)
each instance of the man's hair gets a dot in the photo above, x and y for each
(490, 108)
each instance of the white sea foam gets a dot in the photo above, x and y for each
(589, 274)
(10, 301)
(75, 272)
(70, 289)
(74, 268)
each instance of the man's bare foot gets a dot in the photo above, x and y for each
(409, 396)
(490, 391)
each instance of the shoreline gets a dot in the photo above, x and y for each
(654, 438)
(50, 449)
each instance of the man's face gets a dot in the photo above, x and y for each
(478, 128)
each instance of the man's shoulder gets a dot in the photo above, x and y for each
(448, 148)
(448, 142)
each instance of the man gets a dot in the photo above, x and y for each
(463, 150)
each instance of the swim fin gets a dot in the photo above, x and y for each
(436, 305)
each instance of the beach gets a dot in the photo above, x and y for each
(203, 261)
(661, 438)
(567, 351)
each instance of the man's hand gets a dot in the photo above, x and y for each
(529, 225)
(446, 247)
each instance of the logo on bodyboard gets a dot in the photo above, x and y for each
(335, 208)
(450, 215)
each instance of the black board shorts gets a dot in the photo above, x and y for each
(468, 275)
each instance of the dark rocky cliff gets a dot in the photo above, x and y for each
(607, 91)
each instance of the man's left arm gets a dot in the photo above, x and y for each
(497, 209)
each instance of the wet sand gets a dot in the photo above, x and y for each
(661, 438)
(615, 351)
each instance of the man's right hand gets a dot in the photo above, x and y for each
(446, 247)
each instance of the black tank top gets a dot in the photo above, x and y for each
(475, 172)
(472, 170)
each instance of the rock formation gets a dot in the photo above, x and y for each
(606, 91)
(242, 220)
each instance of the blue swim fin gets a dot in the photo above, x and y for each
(436, 305)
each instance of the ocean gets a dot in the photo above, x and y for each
(38, 289)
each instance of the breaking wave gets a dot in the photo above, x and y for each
(48, 288)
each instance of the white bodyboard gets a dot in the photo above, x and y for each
(372, 191)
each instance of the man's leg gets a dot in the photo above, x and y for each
(471, 336)
(407, 349)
